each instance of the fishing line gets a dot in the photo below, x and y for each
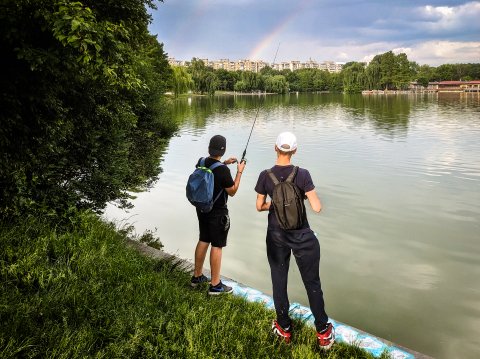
(256, 115)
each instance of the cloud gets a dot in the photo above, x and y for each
(440, 52)
(400, 21)
(448, 20)
(432, 32)
(434, 52)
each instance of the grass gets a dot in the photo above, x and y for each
(85, 293)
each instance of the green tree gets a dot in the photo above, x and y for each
(373, 76)
(276, 84)
(204, 78)
(423, 81)
(404, 72)
(268, 71)
(182, 81)
(240, 86)
(320, 80)
(305, 79)
(336, 82)
(251, 80)
(226, 79)
(293, 79)
(425, 74)
(83, 113)
(353, 78)
(387, 69)
(446, 72)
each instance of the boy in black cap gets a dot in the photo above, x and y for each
(301, 241)
(215, 224)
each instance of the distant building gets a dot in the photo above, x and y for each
(173, 62)
(457, 86)
(257, 65)
(329, 66)
(447, 86)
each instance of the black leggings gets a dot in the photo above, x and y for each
(306, 249)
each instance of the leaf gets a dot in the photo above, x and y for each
(75, 24)
(72, 38)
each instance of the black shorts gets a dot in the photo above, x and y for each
(214, 226)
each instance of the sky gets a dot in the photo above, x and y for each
(430, 32)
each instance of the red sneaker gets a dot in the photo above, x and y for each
(326, 337)
(284, 334)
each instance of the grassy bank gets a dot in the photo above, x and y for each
(85, 293)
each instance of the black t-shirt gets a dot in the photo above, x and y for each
(223, 179)
(265, 186)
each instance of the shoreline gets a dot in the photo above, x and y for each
(344, 333)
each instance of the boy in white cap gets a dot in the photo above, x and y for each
(301, 240)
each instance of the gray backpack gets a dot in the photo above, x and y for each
(287, 201)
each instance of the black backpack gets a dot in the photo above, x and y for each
(287, 201)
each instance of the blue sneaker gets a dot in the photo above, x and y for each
(195, 281)
(220, 288)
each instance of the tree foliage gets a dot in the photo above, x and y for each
(387, 71)
(83, 113)
(182, 80)
(204, 78)
(276, 84)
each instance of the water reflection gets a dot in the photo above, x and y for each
(389, 115)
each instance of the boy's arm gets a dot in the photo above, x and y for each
(313, 200)
(232, 190)
(262, 204)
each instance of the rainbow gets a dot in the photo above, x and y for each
(267, 40)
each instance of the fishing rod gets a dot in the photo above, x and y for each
(256, 115)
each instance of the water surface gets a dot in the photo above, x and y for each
(399, 178)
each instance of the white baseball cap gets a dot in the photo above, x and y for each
(286, 142)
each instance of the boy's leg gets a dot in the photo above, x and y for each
(202, 245)
(307, 255)
(218, 225)
(215, 264)
(200, 254)
(278, 255)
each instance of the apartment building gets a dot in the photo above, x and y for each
(256, 66)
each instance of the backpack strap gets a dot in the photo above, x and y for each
(273, 177)
(215, 165)
(211, 168)
(218, 195)
(201, 163)
(292, 175)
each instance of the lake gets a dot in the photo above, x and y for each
(399, 179)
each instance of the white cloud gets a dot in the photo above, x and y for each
(402, 50)
(438, 19)
(435, 52)
(441, 52)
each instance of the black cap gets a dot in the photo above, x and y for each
(217, 146)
